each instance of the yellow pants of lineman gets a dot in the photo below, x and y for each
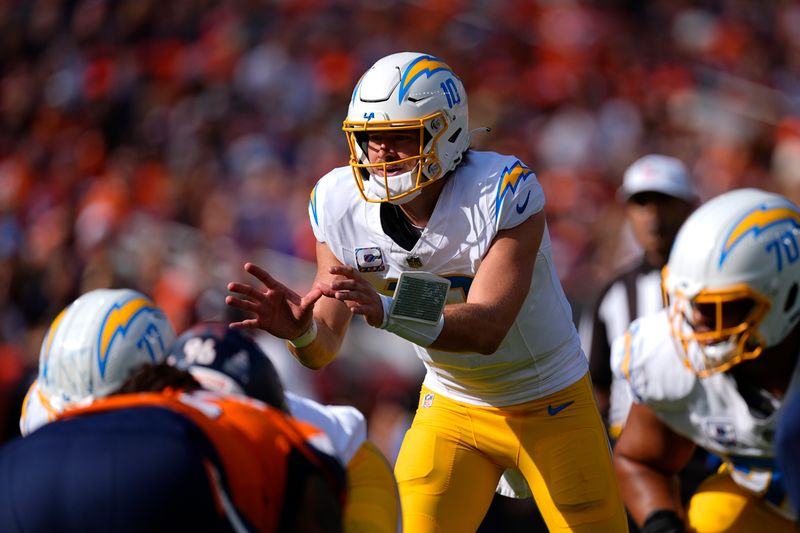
(454, 454)
(720, 505)
(373, 503)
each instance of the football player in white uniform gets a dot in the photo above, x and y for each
(447, 247)
(91, 348)
(712, 369)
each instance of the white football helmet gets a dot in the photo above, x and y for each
(736, 259)
(94, 343)
(413, 92)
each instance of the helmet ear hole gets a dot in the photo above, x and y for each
(791, 299)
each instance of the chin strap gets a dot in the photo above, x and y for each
(482, 129)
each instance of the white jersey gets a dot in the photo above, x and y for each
(344, 424)
(487, 192)
(710, 411)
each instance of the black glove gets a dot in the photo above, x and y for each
(663, 521)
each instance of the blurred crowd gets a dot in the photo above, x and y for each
(158, 145)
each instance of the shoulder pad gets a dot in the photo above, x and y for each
(327, 194)
(646, 357)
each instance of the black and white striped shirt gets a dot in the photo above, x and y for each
(634, 292)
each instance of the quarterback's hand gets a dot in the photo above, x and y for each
(278, 309)
(356, 292)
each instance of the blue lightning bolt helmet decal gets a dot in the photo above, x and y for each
(757, 221)
(427, 65)
(116, 323)
(509, 181)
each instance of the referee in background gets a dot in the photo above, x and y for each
(658, 195)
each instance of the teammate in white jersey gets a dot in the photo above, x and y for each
(712, 369)
(507, 384)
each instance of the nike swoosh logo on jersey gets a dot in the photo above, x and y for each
(553, 411)
(521, 208)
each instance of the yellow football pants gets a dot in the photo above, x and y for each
(373, 503)
(454, 454)
(720, 505)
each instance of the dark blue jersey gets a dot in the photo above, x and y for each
(138, 469)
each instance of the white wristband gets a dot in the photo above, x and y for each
(306, 338)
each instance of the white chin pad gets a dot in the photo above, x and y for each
(376, 188)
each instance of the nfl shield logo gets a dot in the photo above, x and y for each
(427, 400)
(414, 261)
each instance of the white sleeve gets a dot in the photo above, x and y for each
(622, 360)
(519, 195)
(315, 211)
(619, 351)
(344, 424)
(644, 357)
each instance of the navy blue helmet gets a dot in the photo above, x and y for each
(228, 360)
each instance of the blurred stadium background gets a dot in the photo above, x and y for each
(160, 144)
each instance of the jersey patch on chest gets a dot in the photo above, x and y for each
(370, 260)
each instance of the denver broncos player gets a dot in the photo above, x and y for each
(712, 369)
(418, 218)
(229, 361)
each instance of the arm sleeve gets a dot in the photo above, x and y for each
(621, 358)
(315, 211)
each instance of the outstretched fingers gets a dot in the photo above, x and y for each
(250, 323)
(247, 290)
(316, 292)
(242, 304)
(262, 276)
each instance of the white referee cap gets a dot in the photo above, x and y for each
(657, 173)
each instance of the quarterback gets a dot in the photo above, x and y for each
(713, 368)
(447, 248)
